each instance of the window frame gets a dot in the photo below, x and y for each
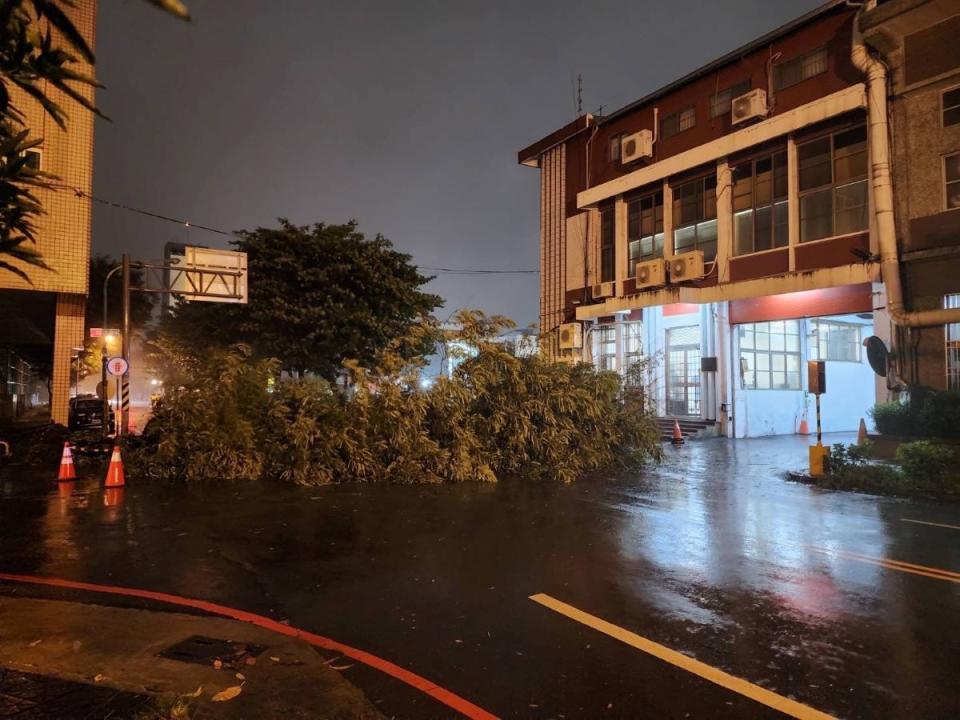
(813, 349)
(946, 182)
(797, 374)
(677, 115)
(951, 342)
(632, 330)
(944, 108)
(800, 60)
(608, 329)
(735, 91)
(608, 250)
(653, 196)
(775, 201)
(616, 142)
(832, 185)
(39, 153)
(703, 219)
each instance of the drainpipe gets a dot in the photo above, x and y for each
(878, 123)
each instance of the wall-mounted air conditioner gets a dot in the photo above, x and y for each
(651, 273)
(636, 146)
(749, 106)
(688, 266)
(603, 290)
(571, 336)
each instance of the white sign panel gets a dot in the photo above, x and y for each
(211, 275)
(117, 366)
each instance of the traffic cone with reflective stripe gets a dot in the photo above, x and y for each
(862, 433)
(67, 470)
(677, 438)
(804, 427)
(115, 471)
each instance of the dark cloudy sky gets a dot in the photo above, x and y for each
(406, 115)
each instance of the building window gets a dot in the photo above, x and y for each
(760, 204)
(833, 184)
(951, 179)
(952, 337)
(695, 217)
(832, 340)
(644, 230)
(34, 159)
(608, 347)
(951, 107)
(607, 236)
(791, 72)
(770, 355)
(677, 122)
(615, 145)
(722, 102)
(632, 343)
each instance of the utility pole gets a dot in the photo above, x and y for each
(125, 352)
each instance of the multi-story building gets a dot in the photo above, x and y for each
(47, 311)
(733, 225)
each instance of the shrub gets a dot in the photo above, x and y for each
(938, 415)
(925, 465)
(892, 418)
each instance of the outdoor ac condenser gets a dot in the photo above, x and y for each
(571, 336)
(749, 106)
(603, 290)
(651, 273)
(637, 146)
(688, 266)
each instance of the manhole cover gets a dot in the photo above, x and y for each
(205, 650)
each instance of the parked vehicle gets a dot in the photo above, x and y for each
(86, 412)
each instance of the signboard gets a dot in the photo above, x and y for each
(210, 275)
(117, 366)
(105, 389)
(96, 332)
(817, 376)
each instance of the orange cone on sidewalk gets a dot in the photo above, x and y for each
(677, 438)
(804, 427)
(115, 471)
(67, 470)
(862, 433)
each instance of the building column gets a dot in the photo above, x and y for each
(68, 334)
(620, 272)
(793, 201)
(667, 221)
(724, 219)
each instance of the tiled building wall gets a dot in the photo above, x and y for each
(553, 247)
(63, 235)
(68, 335)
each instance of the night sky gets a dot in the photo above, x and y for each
(406, 116)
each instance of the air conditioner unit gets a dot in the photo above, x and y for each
(749, 106)
(636, 146)
(688, 266)
(603, 290)
(571, 336)
(651, 273)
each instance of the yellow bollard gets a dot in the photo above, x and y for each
(818, 454)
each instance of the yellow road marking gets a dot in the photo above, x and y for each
(924, 522)
(684, 662)
(926, 571)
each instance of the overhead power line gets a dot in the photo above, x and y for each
(186, 223)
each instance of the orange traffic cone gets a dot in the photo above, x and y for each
(67, 470)
(804, 427)
(862, 433)
(115, 471)
(677, 438)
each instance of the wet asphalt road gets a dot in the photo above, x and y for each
(712, 554)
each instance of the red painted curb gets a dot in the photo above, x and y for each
(451, 700)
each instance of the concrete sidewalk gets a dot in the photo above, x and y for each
(107, 647)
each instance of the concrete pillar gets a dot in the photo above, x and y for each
(793, 201)
(667, 221)
(619, 242)
(724, 219)
(68, 334)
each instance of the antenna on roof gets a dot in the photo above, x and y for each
(579, 95)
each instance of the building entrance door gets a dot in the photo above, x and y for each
(683, 371)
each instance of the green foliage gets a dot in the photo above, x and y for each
(499, 415)
(319, 295)
(927, 465)
(843, 458)
(928, 414)
(40, 49)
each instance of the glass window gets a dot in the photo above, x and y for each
(770, 355)
(952, 337)
(644, 229)
(760, 204)
(632, 343)
(33, 159)
(677, 122)
(800, 68)
(833, 340)
(833, 184)
(951, 107)
(721, 103)
(695, 216)
(951, 175)
(607, 235)
(608, 347)
(615, 144)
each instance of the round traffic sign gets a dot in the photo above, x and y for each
(117, 365)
